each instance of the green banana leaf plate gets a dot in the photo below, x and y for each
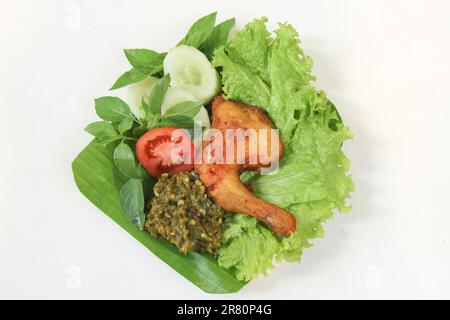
(100, 182)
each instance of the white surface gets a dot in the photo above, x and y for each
(384, 63)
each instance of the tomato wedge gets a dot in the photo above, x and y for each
(165, 150)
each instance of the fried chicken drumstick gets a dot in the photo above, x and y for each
(223, 180)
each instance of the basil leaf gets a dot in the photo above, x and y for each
(140, 58)
(104, 141)
(125, 161)
(125, 125)
(218, 37)
(132, 202)
(200, 31)
(157, 96)
(112, 109)
(132, 76)
(101, 127)
(103, 132)
(145, 60)
(177, 121)
(145, 63)
(185, 108)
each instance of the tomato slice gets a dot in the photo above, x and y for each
(165, 150)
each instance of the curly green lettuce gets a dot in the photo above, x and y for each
(312, 181)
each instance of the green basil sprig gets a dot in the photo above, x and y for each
(145, 63)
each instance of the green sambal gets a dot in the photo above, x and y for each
(182, 213)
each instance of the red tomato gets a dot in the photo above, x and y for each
(166, 149)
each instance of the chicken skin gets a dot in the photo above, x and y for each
(222, 179)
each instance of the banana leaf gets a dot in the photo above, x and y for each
(98, 180)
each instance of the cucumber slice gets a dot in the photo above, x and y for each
(175, 96)
(136, 92)
(202, 117)
(178, 95)
(189, 69)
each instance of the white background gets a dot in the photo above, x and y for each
(386, 65)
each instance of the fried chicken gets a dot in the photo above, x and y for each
(222, 180)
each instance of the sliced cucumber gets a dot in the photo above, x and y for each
(138, 91)
(202, 118)
(175, 96)
(178, 95)
(190, 69)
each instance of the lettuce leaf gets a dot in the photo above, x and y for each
(239, 82)
(312, 181)
(251, 46)
(250, 247)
